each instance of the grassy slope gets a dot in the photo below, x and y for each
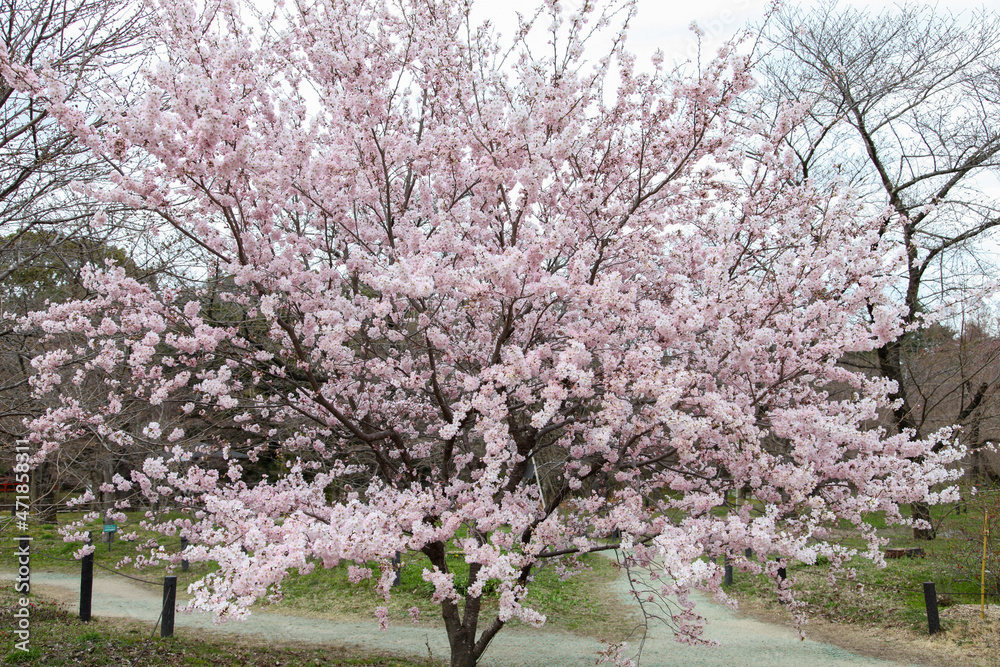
(892, 598)
(579, 604)
(59, 639)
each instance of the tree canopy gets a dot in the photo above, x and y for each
(448, 262)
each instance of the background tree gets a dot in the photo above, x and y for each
(86, 44)
(952, 375)
(905, 107)
(439, 258)
(44, 267)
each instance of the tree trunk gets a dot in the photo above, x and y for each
(891, 366)
(462, 652)
(977, 469)
(94, 488)
(463, 626)
(922, 511)
(45, 494)
(107, 497)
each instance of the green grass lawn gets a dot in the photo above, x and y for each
(581, 604)
(60, 639)
(50, 552)
(889, 597)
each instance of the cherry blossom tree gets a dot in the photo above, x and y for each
(482, 298)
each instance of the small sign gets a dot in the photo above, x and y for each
(110, 528)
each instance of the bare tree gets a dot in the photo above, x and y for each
(81, 42)
(905, 106)
(953, 377)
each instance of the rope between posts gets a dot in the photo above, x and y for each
(940, 590)
(128, 576)
(159, 618)
(77, 560)
(67, 560)
(107, 569)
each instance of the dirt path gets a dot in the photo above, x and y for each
(745, 641)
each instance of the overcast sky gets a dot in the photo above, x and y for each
(664, 24)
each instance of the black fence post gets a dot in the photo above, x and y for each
(748, 552)
(782, 573)
(169, 602)
(930, 601)
(184, 561)
(86, 583)
(727, 579)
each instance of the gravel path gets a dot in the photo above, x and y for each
(745, 642)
